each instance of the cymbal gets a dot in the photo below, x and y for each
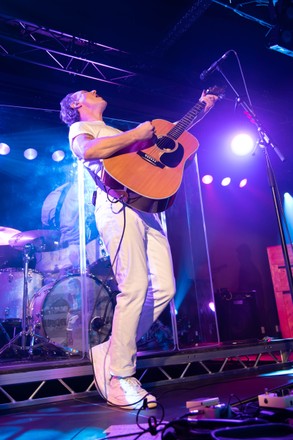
(6, 234)
(43, 240)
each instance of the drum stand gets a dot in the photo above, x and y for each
(26, 326)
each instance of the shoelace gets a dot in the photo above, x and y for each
(133, 383)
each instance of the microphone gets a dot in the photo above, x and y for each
(214, 66)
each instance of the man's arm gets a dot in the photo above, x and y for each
(90, 148)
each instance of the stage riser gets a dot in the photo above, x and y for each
(38, 384)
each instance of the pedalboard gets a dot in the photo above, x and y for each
(275, 400)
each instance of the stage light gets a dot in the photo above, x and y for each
(207, 179)
(243, 183)
(4, 149)
(242, 144)
(58, 155)
(280, 36)
(288, 210)
(226, 181)
(212, 306)
(30, 153)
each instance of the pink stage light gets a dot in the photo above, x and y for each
(207, 179)
(243, 183)
(226, 181)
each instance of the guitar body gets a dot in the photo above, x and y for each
(153, 170)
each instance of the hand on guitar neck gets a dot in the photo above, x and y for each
(209, 98)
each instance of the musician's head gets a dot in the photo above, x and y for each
(80, 106)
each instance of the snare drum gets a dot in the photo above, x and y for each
(56, 310)
(11, 296)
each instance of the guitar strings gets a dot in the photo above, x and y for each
(176, 131)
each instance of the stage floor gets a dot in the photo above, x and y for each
(90, 418)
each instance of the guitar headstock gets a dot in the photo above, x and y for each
(216, 91)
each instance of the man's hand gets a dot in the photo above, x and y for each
(209, 99)
(144, 131)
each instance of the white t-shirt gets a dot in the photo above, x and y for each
(97, 129)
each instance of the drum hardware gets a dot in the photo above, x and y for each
(4, 332)
(46, 318)
(28, 242)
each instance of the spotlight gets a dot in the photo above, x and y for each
(242, 144)
(243, 183)
(30, 153)
(212, 306)
(207, 179)
(226, 181)
(4, 149)
(58, 155)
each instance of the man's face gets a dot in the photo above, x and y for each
(88, 99)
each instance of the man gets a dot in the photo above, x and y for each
(60, 212)
(137, 245)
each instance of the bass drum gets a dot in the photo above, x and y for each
(56, 311)
(11, 298)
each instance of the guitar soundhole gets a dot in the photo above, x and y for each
(166, 143)
(171, 158)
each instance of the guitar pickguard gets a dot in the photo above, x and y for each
(173, 158)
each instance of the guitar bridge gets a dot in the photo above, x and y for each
(151, 159)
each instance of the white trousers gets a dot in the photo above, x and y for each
(144, 272)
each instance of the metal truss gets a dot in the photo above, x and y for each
(260, 11)
(216, 362)
(27, 385)
(66, 53)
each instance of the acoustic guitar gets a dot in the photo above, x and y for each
(148, 174)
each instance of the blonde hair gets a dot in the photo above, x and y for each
(68, 114)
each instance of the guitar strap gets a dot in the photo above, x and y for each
(116, 190)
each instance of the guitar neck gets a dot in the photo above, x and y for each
(185, 122)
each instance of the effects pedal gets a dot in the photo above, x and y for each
(208, 408)
(276, 400)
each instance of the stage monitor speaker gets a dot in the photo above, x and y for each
(237, 316)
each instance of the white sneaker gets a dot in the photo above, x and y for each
(127, 393)
(99, 355)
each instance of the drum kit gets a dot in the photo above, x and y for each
(40, 308)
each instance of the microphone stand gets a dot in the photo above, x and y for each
(264, 142)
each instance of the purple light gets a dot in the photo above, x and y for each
(226, 181)
(30, 153)
(242, 144)
(212, 306)
(58, 155)
(207, 179)
(4, 149)
(243, 183)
